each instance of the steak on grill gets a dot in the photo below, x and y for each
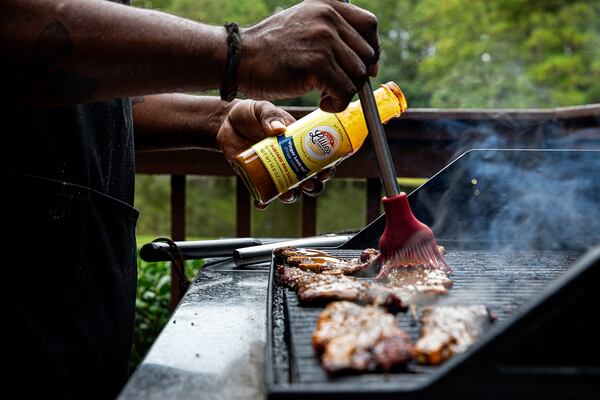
(418, 284)
(321, 262)
(319, 288)
(360, 338)
(447, 330)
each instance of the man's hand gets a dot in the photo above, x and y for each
(251, 121)
(318, 44)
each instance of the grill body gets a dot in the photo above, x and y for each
(521, 260)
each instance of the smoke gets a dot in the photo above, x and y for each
(540, 198)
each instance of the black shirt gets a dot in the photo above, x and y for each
(86, 144)
(70, 276)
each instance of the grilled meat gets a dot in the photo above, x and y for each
(423, 279)
(321, 262)
(312, 287)
(418, 284)
(353, 337)
(447, 330)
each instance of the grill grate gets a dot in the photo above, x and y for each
(502, 281)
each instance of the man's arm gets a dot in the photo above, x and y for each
(188, 121)
(73, 51)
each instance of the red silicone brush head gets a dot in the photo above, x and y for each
(406, 240)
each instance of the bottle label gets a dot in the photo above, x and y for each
(307, 147)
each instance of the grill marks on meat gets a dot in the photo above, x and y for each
(447, 330)
(352, 337)
(418, 284)
(322, 262)
(319, 288)
(415, 284)
(360, 338)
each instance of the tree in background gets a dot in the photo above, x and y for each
(509, 53)
(461, 53)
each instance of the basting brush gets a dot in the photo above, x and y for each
(405, 240)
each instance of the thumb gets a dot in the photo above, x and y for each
(273, 119)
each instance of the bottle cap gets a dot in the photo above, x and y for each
(398, 93)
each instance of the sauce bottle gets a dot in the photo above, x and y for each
(317, 141)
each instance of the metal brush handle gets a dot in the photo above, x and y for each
(387, 172)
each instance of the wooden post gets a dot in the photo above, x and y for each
(177, 230)
(309, 216)
(373, 199)
(243, 209)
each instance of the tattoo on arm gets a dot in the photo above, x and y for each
(53, 46)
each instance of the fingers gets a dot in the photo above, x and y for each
(337, 89)
(363, 22)
(273, 119)
(351, 63)
(244, 122)
(260, 206)
(290, 196)
(248, 122)
(326, 175)
(359, 55)
(230, 142)
(352, 33)
(312, 187)
(256, 120)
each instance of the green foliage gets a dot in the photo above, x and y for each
(509, 53)
(220, 11)
(152, 198)
(461, 53)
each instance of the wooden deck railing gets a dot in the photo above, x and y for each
(422, 142)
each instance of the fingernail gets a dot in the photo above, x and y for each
(374, 70)
(288, 197)
(277, 125)
(260, 206)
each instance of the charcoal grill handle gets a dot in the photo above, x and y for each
(385, 163)
(194, 250)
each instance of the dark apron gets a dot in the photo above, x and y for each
(68, 288)
(67, 250)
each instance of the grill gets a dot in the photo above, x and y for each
(514, 248)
